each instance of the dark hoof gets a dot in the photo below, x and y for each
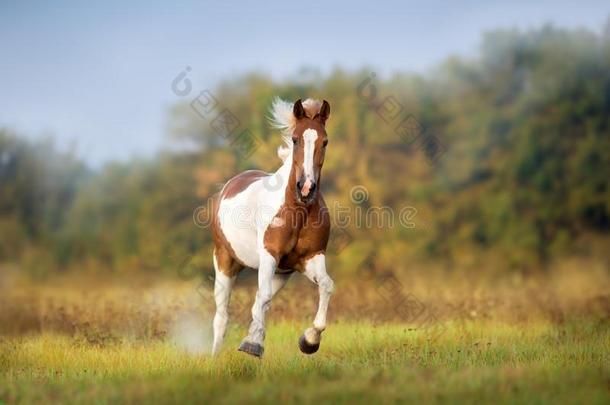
(306, 347)
(251, 348)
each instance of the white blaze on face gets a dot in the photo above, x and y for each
(309, 136)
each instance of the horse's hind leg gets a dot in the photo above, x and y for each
(226, 270)
(315, 270)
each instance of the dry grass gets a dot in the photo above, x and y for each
(114, 308)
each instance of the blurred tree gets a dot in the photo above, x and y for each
(524, 177)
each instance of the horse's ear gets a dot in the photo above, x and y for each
(298, 110)
(324, 112)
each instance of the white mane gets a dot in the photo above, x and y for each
(283, 119)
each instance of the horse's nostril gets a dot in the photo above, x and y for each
(313, 186)
(299, 185)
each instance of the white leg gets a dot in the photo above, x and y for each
(253, 343)
(315, 270)
(223, 285)
(278, 282)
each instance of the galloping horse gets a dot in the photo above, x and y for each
(277, 223)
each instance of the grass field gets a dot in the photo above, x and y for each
(114, 346)
(470, 362)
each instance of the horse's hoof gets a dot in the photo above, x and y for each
(306, 347)
(254, 349)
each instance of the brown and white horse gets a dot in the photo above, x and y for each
(277, 223)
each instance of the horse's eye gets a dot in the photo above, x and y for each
(325, 143)
(295, 140)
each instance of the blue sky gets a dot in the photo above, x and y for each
(98, 75)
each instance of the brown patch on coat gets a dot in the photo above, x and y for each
(240, 182)
(304, 234)
(304, 231)
(311, 239)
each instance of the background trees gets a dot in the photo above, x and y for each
(522, 178)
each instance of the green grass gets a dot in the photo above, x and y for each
(469, 362)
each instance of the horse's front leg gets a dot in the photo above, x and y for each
(315, 270)
(253, 343)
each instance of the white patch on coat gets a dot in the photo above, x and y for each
(277, 222)
(310, 136)
(245, 217)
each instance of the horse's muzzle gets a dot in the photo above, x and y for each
(306, 191)
(307, 200)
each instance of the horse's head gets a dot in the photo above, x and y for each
(309, 146)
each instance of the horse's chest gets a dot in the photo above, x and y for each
(281, 236)
(291, 245)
